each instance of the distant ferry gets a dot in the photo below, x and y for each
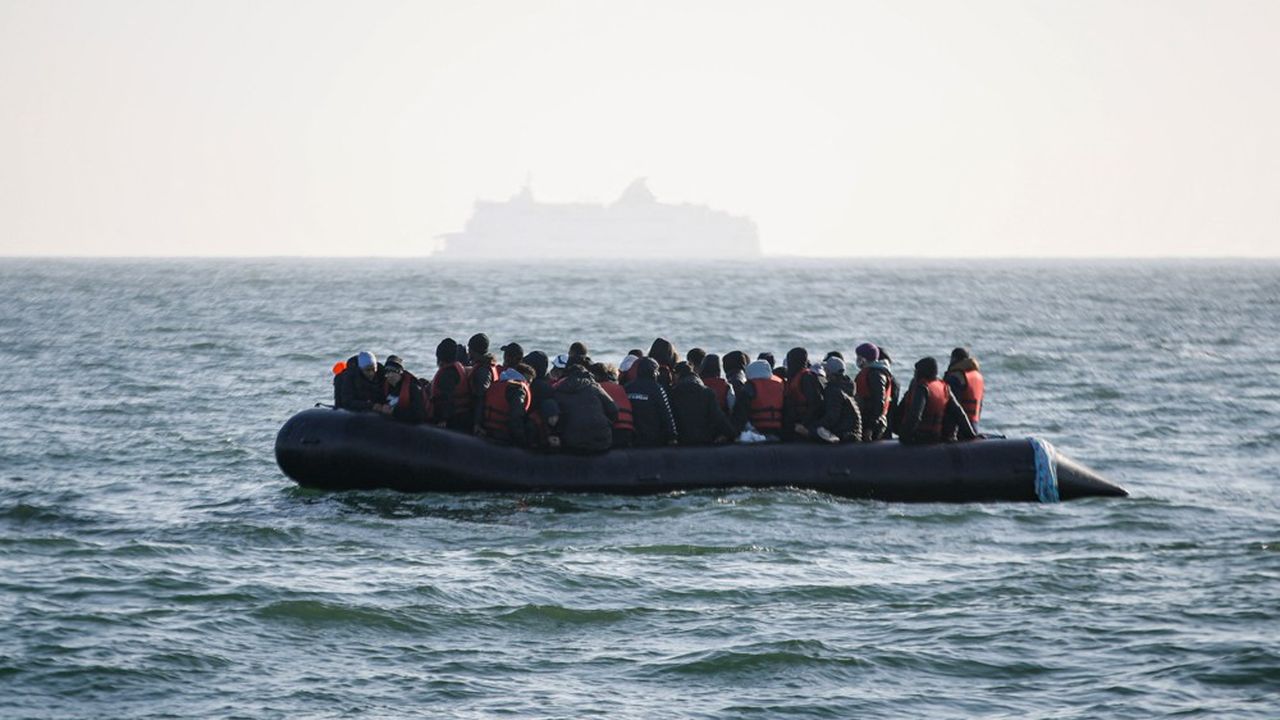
(635, 225)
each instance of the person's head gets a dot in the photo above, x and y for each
(447, 352)
(512, 354)
(959, 354)
(710, 367)
(735, 361)
(538, 361)
(663, 352)
(636, 352)
(866, 353)
(695, 357)
(833, 366)
(767, 357)
(478, 345)
(646, 368)
(578, 348)
(627, 362)
(527, 372)
(393, 369)
(597, 371)
(368, 364)
(927, 368)
(582, 360)
(759, 370)
(558, 366)
(683, 370)
(833, 353)
(797, 360)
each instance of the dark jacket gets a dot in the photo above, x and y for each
(416, 409)
(699, 420)
(518, 429)
(586, 413)
(811, 385)
(651, 412)
(955, 423)
(351, 391)
(481, 380)
(840, 414)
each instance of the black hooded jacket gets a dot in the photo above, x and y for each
(351, 391)
(699, 420)
(586, 412)
(650, 407)
(840, 414)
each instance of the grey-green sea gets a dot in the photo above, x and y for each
(155, 562)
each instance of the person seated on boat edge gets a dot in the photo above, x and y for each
(483, 372)
(802, 403)
(699, 420)
(624, 427)
(506, 408)
(544, 413)
(359, 386)
(759, 403)
(966, 383)
(586, 411)
(406, 400)
(664, 353)
(931, 412)
(512, 355)
(452, 404)
(873, 391)
(694, 357)
(655, 424)
(709, 371)
(840, 421)
(735, 369)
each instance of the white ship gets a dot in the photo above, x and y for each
(636, 225)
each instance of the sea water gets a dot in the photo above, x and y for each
(154, 561)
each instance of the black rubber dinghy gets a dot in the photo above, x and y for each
(340, 450)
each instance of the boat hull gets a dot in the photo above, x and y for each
(340, 450)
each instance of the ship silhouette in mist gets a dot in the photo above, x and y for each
(636, 225)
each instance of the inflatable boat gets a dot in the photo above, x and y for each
(341, 450)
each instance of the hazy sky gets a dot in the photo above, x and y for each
(1117, 127)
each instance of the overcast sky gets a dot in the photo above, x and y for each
(1073, 128)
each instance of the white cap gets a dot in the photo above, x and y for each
(627, 362)
(561, 361)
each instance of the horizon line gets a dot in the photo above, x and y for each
(756, 258)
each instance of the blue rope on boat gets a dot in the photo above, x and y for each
(1046, 471)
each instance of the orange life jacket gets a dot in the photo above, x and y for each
(461, 393)
(935, 408)
(497, 409)
(619, 396)
(766, 407)
(862, 389)
(971, 395)
(721, 386)
(794, 399)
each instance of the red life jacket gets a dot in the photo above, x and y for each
(795, 400)
(497, 409)
(721, 386)
(935, 408)
(461, 393)
(766, 408)
(862, 390)
(619, 395)
(971, 395)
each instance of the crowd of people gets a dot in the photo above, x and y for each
(655, 399)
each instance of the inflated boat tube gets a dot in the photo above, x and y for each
(339, 450)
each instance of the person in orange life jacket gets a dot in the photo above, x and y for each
(694, 357)
(709, 371)
(507, 405)
(655, 425)
(484, 372)
(624, 427)
(873, 388)
(840, 421)
(405, 399)
(802, 404)
(759, 402)
(359, 386)
(735, 366)
(930, 412)
(664, 353)
(512, 355)
(587, 412)
(699, 420)
(451, 400)
(966, 384)
(544, 413)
